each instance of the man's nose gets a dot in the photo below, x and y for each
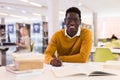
(72, 22)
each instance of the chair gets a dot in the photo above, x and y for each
(104, 40)
(114, 44)
(104, 54)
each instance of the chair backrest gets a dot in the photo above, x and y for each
(102, 55)
(114, 43)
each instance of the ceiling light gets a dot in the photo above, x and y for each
(61, 12)
(80, 4)
(23, 11)
(17, 16)
(5, 14)
(9, 8)
(35, 4)
(25, 0)
(36, 14)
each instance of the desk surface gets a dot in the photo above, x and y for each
(47, 74)
(3, 47)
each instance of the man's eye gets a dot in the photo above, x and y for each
(70, 19)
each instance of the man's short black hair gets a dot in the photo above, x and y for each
(73, 9)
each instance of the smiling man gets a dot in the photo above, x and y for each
(72, 44)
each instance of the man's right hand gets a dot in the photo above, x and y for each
(56, 62)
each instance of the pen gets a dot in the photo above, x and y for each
(55, 55)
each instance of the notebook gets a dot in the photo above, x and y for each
(12, 69)
(115, 65)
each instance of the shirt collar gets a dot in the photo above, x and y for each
(77, 34)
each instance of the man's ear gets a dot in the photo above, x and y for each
(80, 21)
(64, 20)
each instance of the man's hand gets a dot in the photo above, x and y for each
(56, 62)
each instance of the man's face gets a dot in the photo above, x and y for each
(72, 22)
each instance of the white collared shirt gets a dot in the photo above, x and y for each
(77, 34)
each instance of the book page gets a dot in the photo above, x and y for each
(84, 69)
(73, 70)
(66, 71)
(100, 73)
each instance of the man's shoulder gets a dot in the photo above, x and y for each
(85, 30)
(60, 31)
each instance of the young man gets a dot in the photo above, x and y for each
(73, 44)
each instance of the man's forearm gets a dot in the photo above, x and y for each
(75, 58)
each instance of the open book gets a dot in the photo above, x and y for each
(75, 70)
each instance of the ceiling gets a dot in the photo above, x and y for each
(24, 9)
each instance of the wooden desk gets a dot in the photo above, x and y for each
(47, 73)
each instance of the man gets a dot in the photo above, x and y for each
(73, 44)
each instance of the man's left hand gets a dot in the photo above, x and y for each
(56, 62)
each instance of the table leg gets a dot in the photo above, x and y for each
(3, 53)
(91, 56)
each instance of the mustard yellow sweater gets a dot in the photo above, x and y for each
(76, 49)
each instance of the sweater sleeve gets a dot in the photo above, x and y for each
(84, 53)
(50, 50)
